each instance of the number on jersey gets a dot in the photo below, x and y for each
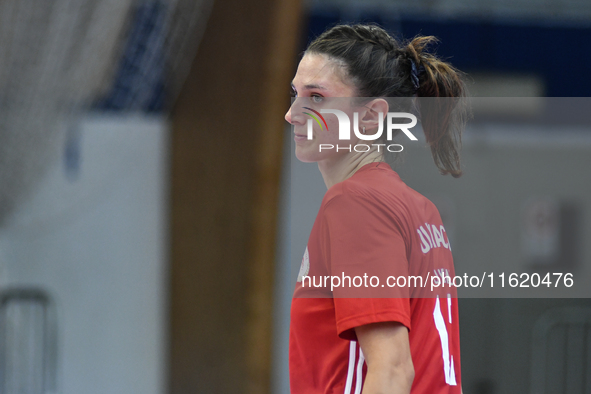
(448, 359)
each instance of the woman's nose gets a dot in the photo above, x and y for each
(294, 113)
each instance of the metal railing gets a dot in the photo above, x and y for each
(28, 342)
(561, 352)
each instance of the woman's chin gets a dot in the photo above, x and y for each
(305, 155)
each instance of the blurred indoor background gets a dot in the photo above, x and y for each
(153, 217)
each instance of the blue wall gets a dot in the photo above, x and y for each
(558, 54)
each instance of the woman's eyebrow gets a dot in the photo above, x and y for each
(314, 86)
(310, 86)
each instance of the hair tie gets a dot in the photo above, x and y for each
(415, 73)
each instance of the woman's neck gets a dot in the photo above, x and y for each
(339, 169)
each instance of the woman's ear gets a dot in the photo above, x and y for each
(375, 113)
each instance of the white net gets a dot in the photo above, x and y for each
(58, 56)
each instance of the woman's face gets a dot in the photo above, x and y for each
(317, 82)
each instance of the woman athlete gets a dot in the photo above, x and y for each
(396, 339)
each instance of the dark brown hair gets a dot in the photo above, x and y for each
(381, 66)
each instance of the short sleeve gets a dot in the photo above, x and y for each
(367, 254)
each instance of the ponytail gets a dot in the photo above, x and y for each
(441, 101)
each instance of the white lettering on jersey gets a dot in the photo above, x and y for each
(305, 267)
(432, 237)
(443, 273)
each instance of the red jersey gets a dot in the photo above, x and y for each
(373, 224)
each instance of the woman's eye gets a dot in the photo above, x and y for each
(317, 99)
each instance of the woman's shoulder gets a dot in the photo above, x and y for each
(375, 180)
(380, 185)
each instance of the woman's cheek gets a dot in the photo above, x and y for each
(332, 135)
